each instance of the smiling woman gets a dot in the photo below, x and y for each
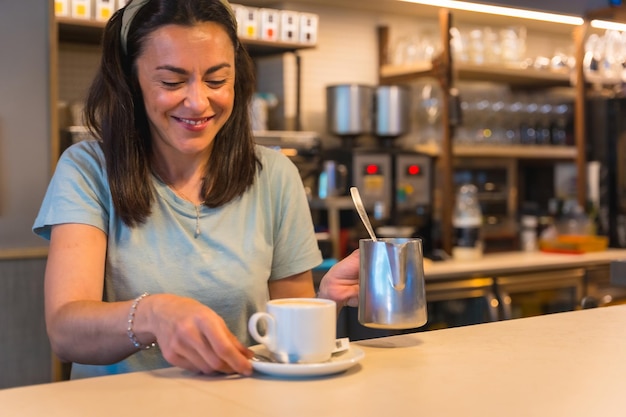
(172, 228)
(161, 55)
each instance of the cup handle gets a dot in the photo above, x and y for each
(268, 339)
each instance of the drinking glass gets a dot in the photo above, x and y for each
(429, 112)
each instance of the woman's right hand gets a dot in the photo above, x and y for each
(190, 335)
(83, 329)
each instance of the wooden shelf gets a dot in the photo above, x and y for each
(90, 31)
(550, 152)
(79, 30)
(516, 151)
(257, 47)
(515, 75)
(391, 74)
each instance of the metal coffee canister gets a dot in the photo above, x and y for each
(393, 110)
(392, 293)
(349, 109)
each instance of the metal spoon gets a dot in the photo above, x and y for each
(392, 256)
(360, 208)
(263, 358)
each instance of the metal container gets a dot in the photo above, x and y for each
(349, 109)
(392, 293)
(393, 110)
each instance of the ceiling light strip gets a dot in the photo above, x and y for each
(502, 11)
(604, 24)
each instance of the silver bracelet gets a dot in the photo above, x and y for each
(131, 321)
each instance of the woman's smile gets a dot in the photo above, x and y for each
(193, 124)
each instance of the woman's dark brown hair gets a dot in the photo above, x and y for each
(115, 113)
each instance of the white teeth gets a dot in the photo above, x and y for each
(193, 122)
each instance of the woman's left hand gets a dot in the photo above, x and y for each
(341, 282)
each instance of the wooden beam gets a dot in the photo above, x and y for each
(579, 115)
(444, 165)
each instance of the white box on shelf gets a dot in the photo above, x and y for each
(270, 22)
(81, 9)
(105, 9)
(289, 24)
(240, 12)
(308, 28)
(61, 7)
(250, 26)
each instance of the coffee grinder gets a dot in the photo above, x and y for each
(395, 184)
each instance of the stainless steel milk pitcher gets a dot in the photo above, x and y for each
(392, 294)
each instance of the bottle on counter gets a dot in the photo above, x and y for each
(467, 222)
(574, 220)
(528, 233)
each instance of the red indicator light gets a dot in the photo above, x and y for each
(371, 169)
(413, 170)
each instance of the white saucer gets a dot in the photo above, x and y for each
(337, 363)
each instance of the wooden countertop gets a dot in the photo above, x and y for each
(568, 364)
(23, 253)
(505, 263)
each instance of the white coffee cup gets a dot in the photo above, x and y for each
(297, 330)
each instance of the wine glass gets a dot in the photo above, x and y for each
(430, 99)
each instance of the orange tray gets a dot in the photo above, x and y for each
(574, 244)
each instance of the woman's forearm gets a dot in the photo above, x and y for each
(93, 332)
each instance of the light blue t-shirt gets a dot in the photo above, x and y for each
(266, 234)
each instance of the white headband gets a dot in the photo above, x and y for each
(133, 7)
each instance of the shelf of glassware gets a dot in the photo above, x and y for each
(549, 152)
(510, 74)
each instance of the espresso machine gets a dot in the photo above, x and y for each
(395, 187)
(395, 183)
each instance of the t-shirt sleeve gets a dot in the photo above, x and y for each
(77, 192)
(296, 249)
